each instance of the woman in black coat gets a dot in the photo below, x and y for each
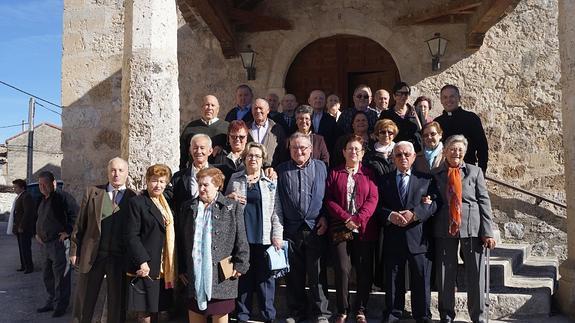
(150, 239)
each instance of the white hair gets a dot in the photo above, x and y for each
(404, 143)
(199, 136)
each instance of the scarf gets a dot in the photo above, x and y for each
(168, 264)
(430, 154)
(454, 197)
(202, 255)
(386, 150)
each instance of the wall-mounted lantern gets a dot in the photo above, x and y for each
(436, 46)
(248, 57)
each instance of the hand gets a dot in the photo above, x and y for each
(63, 236)
(20, 230)
(236, 274)
(144, 270)
(488, 242)
(397, 219)
(426, 199)
(73, 260)
(216, 150)
(408, 216)
(350, 225)
(321, 226)
(237, 197)
(271, 173)
(277, 243)
(38, 239)
(184, 279)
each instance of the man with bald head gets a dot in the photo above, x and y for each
(289, 104)
(381, 100)
(208, 124)
(97, 248)
(265, 131)
(322, 123)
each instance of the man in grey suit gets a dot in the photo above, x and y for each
(265, 131)
(464, 220)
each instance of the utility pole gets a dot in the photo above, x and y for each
(30, 162)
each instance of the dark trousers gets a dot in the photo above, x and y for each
(25, 248)
(88, 288)
(258, 279)
(306, 249)
(420, 281)
(360, 255)
(57, 278)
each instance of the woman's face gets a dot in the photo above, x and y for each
(156, 185)
(431, 137)
(332, 101)
(385, 136)
(424, 107)
(400, 96)
(254, 159)
(454, 153)
(353, 152)
(303, 122)
(361, 98)
(360, 124)
(207, 191)
(238, 140)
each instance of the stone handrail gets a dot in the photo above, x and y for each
(538, 198)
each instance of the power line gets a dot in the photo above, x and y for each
(51, 110)
(30, 94)
(14, 125)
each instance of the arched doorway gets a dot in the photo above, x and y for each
(339, 63)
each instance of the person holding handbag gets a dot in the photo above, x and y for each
(351, 199)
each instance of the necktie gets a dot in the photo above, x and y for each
(403, 188)
(114, 197)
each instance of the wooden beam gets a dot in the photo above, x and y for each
(485, 16)
(451, 8)
(214, 14)
(249, 21)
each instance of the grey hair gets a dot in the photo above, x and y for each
(455, 139)
(404, 143)
(255, 145)
(297, 135)
(304, 109)
(201, 135)
(117, 159)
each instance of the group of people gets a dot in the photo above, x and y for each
(377, 188)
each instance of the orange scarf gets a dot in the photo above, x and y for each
(454, 197)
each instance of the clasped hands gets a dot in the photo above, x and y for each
(401, 218)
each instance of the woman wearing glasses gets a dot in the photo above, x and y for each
(303, 115)
(360, 128)
(404, 116)
(380, 159)
(361, 100)
(351, 198)
(151, 244)
(259, 201)
(229, 160)
(431, 156)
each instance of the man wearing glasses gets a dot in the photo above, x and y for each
(361, 100)
(301, 188)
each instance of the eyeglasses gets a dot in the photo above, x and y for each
(365, 97)
(354, 149)
(386, 132)
(401, 93)
(399, 155)
(300, 148)
(253, 156)
(430, 134)
(238, 137)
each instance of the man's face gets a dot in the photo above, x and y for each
(273, 102)
(210, 107)
(449, 99)
(117, 173)
(300, 150)
(317, 100)
(46, 186)
(403, 157)
(17, 188)
(260, 111)
(289, 103)
(200, 149)
(238, 140)
(382, 99)
(243, 97)
(361, 98)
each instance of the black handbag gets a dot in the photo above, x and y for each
(337, 230)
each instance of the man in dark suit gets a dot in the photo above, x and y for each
(56, 214)
(323, 123)
(405, 206)
(24, 222)
(243, 108)
(97, 248)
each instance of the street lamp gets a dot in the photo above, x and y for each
(436, 46)
(248, 57)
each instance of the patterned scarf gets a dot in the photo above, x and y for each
(202, 255)
(168, 265)
(454, 197)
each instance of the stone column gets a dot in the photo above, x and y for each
(150, 98)
(566, 291)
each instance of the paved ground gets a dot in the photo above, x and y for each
(21, 294)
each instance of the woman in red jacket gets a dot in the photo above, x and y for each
(351, 199)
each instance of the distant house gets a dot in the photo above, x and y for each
(47, 152)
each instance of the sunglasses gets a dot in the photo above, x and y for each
(238, 137)
(365, 97)
(399, 155)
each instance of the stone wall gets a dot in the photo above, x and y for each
(6, 200)
(47, 153)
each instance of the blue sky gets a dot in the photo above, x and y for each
(31, 59)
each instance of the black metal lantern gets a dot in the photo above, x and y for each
(436, 46)
(248, 57)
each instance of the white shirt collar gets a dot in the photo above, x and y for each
(111, 188)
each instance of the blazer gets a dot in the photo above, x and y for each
(378, 163)
(228, 239)
(421, 164)
(179, 189)
(328, 129)
(233, 115)
(145, 233)
(24, 214)
(366, 197)
(272, 223)
(476, 218)
(87, 230)
(274, 141)
(416, 236)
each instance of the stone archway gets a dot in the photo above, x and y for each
(337, 64)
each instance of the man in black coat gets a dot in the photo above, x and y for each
(405, 207)
(243, 108)
(322, 123)
(24, 222)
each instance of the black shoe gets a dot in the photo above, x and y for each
(58, 313)
(20, 269)
(46, 308)
(27, 271)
